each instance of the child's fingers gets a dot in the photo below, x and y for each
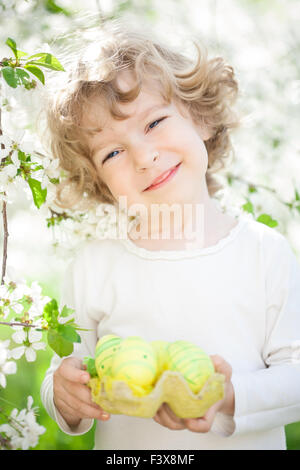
(222, 366)
(201, 425)
(77, 408)
(71, 369)
(167, 418)
(78, 403)
(81, 392)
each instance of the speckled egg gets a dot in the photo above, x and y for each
(135, 363)
(106, 348)
(192, 362)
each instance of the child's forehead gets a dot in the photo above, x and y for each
(97, 113)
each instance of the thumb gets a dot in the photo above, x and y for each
(222, 366)
(72, 369)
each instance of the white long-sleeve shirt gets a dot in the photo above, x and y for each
(239, 298)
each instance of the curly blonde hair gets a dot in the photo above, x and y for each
(207, 88)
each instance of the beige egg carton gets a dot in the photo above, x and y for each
(171, 388)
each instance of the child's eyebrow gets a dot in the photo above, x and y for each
(152, 108)
(140, 116)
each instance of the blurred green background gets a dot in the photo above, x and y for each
(261, 39)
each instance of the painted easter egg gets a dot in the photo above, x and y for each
(106, 348)
(192, 362)
(135, 364)
(160, 349)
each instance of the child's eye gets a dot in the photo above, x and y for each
(155, 123)
(110, 155)
(115, 152)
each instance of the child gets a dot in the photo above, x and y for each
(141, 121)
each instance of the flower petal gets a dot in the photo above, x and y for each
(19, 336)
(30, 354)
(39, 346)
(2, 380)
(9, 368)
(16, 353)
(34, 335)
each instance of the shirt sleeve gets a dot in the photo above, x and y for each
(73, 289)
(270, 397)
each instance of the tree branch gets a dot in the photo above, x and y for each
(5, 240)
(260, 186)
(18, 324)
(5, 229)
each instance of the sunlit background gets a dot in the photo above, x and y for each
(259, 38)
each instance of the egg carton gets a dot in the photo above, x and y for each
(171, 388)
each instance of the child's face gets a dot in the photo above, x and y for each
(124, 150)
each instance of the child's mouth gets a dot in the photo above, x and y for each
(168, 176)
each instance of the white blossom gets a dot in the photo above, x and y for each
(22, 430)
(7, 177)
(51, 167)
(5, 301)
(10, 296)
(30, 343)
(6, 367)
(8, 173)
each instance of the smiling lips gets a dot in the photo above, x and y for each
(163, 178)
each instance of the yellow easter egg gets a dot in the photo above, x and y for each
(135, 364)
(106, 348)
(160, 350)
(192, 362)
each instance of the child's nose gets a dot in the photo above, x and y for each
(145, 157)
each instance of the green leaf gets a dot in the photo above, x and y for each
(52, 7)
(12, 44)
(54, 180)
(50, 313)
(69, 333)
(39, 195)
(90, 366)
(229, 180)
(248, 207)
(26, 302)
(66, 311)
(58, 343)
(10, 76)
(252, 188)
(23, 76)
(36, 71)
(45, 59)
(297, 195)
(36, 167)
(22, 156)
(267, 220)
(21, 54)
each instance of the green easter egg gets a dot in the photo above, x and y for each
(192, 362)
(135, 363)
(160, 350)
(106, 348)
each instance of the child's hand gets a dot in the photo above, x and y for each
(72, 397)
(167, 418)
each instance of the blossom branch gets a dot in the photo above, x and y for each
(5, 240)
(5, 229)
(18, 324)
(255, 186)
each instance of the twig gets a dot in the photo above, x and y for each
(18, 324)
(5, 230)
(261, 186)
(5, 240)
